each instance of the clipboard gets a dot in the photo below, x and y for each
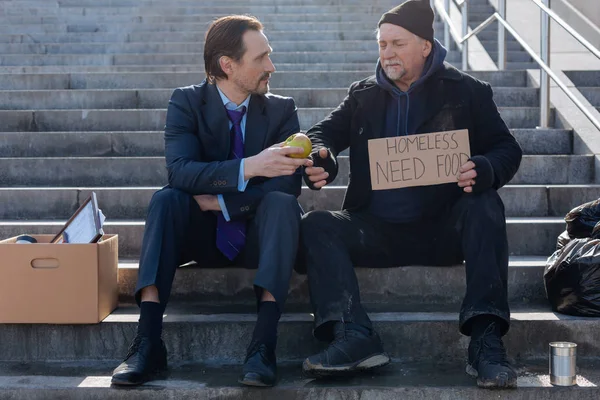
(84, 225)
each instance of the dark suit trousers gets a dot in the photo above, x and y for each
(473, 229)
(178, 231)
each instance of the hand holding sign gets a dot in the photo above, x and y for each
(467, 176)
(420, 160)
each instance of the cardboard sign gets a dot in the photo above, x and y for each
(418, 160)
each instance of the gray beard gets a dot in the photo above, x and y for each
(394, 76)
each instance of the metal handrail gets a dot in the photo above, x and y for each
(546, 71)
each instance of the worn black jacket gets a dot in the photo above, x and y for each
(197, 145)
(454, 101)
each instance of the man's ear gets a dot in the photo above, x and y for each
(226, 64)
(427, 46)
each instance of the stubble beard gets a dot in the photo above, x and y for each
(259, 88)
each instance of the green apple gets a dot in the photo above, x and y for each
(299, 140)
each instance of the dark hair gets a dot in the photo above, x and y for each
(224, 38)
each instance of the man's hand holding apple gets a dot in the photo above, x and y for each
(278, 160)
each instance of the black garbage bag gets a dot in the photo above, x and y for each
(562, 240)
(582, 220)
(572, 278)
(596, 231)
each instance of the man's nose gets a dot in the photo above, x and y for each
(270, 66)
(388, 52)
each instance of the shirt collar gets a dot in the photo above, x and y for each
(230, 105)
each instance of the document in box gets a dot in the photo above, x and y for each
(85, 226)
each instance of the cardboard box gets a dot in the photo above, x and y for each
(58, 283)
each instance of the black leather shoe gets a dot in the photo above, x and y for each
(350, 352)
(145, 361)
(260, 366)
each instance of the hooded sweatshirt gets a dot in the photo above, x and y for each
(403, 110)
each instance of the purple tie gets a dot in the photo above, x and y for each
(231, 236)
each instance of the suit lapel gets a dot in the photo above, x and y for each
(213, 110)
(257, 125)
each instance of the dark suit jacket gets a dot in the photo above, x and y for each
(454, 101)
(197, 145)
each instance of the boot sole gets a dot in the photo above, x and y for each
(255, 383)
(155, 376)
(491, 383)
(368, 363)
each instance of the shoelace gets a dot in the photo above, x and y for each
(491, 347)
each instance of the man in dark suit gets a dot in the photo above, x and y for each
(413, 92)
(231, 198)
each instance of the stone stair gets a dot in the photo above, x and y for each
(588, 83)
(84, 86)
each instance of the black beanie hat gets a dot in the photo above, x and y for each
(415, 16)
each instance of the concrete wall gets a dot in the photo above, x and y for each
(583, 15)
(589, 8)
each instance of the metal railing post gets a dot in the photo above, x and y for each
(544, 77)
(501, 36)
(465, 31)
(447, 26)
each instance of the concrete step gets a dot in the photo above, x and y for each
(410, 381)
(592, 94)
(492, 45)
(178, 47)
(168, 37)
(223, 9)
(131, 202)
(413, 287)
(521, 66)
(170, 80)
(584, 78)
(272, 29)
(222, 339)
(492, 35)
(154, 119)
(544, 141)
(480, 9)
(304, 57)
(42, 5)
(154, 17)
(158, 98)
(151, 171)
(365, 68)
(526, 236)
(512, 56)
(151, 143)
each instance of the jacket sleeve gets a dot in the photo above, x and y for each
(494, 140)
(242, 204)
(186, 170)
(333, 133)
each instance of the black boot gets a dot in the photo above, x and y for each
(145, 361)
(350, 352)
(488, 361)
(260, 366)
